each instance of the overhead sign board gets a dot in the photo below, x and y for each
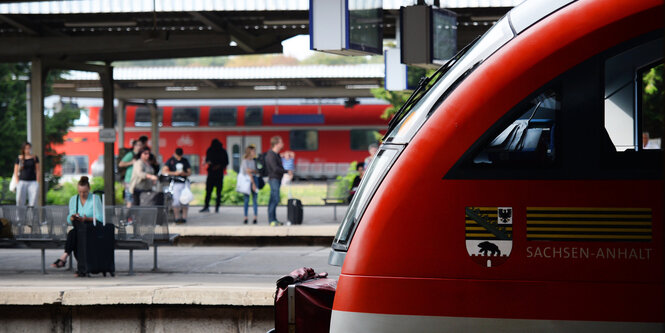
(428, 36)
(346, 27)
(107, 135)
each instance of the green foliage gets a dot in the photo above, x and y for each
(192, 62)
(395, 98)
(652, 101)
(61, 194)
(229, 194)
(13, 126)
(7, 197)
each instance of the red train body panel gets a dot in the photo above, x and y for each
(332, 124)
(583, 252)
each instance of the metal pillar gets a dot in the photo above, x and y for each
(106, 77)
(121, 123)
(154, 119)
(37, 77)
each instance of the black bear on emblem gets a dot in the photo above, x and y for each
(488, 247)
(505, 215)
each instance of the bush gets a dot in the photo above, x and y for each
(63, 192)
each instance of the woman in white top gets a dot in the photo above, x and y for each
(248, 169)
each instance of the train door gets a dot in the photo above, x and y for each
(236, 144)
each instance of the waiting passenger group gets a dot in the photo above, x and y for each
(139, 174)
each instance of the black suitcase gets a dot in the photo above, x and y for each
(95, 246)
(294, 211)
(151, 198)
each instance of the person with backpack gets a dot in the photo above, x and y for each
(127, 162)
(275, 170)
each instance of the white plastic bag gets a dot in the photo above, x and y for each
(13, 183)
(186, 195)
(243, 184)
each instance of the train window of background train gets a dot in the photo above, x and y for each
(362, 138)
(185, 117)
(304, 140)
(75, 165)
(527, 141)
(142, 117)
(627, 129)
(101, 117)
(194, 162)
(254, 116)
(223, 116)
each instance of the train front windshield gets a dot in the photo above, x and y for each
(409, 124)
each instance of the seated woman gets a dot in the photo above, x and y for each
(81, 210)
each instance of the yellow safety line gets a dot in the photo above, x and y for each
(481, 228)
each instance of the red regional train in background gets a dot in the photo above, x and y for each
(324, 137)
(523, 192)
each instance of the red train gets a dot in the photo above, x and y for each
(324, 137)
(517, 195)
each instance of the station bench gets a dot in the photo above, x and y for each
(337, 194)
(137, 228)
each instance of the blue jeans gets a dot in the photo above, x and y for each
(274, 198)
(246, 205)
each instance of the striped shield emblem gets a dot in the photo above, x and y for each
(489, 234)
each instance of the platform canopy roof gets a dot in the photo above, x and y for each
(320, 81)
(113, 30)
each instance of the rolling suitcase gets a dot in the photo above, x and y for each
(95, 246)
(294, 211)
(303, 302)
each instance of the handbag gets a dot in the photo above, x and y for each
(186, 195)
(243, 184)
(13, 183)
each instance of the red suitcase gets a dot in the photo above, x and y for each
(303, 302)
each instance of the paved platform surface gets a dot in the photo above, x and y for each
(235, 276)
(317, 221)
(204, 275)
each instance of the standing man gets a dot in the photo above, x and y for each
(128, 162)
(177, 166)
(216, 159)
(275, 172)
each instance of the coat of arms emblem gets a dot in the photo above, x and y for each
(489, 234)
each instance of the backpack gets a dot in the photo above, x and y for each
(261, 165)
(120, 171)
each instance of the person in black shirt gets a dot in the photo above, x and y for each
(275, 172)
(360, 168)
(216, 159)
(177, 166)
(26, 169)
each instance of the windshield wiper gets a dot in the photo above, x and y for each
(422, 84)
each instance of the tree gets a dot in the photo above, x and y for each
(13, 126)
(652, 101)
(398, 98)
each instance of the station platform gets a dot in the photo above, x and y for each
(208, 282)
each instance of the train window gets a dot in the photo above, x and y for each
(527, 141)
(652, 96)
(142, 117)
(185, 117)
(362, 138)
(223, 116)
(254, 116)
(75, 165)
(304, 140)
(625, 74)
(101, 117)
(194, 162)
